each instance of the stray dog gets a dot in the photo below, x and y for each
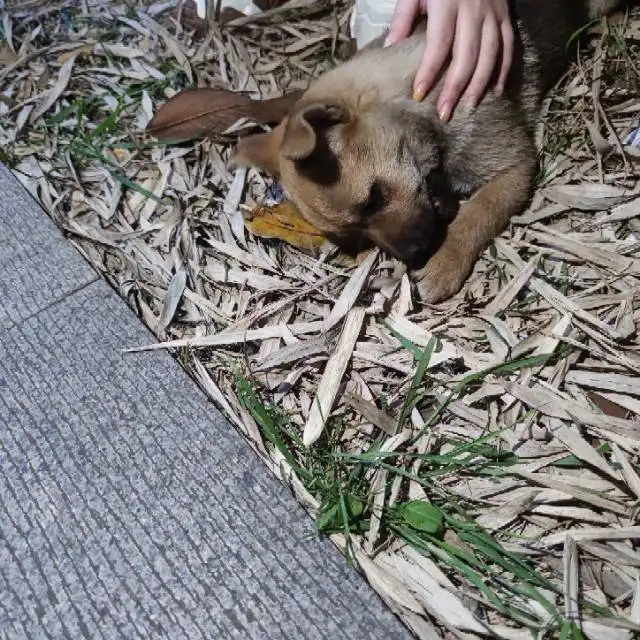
(366, 164)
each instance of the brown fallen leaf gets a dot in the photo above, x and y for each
(371, 413)
(284, 222)
(199, 113)
(265, 5)
(228, 14)
(607, 407)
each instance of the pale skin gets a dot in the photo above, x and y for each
(474, 36)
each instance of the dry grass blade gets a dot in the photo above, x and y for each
(571, 581)
(577, 493)
(52, 95)
(351, 291)
(332, 376)
(371, 413)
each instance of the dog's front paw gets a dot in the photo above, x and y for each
(443, 276)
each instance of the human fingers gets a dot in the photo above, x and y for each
(466, 47)
(486, 65)
(402, 20)
(441, 27)
(507, 54)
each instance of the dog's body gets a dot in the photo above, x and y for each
(365, 163)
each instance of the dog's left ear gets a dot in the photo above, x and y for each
(306, 127)
(261, 150)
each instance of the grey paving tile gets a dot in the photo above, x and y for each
(38, 266)
(129, 508)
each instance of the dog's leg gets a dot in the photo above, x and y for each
(479, 221)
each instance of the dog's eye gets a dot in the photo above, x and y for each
(376, 201)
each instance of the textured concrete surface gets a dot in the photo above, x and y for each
(37, 264)
(129, 508)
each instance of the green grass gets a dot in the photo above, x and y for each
(444, 528)
(88, 129)
(578, 33)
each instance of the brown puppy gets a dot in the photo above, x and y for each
(367, 164)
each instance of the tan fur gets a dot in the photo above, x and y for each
(367, 164)
(262, 150)
(473, 229)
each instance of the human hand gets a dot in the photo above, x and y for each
(476, 33)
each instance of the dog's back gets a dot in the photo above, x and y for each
(547, 32)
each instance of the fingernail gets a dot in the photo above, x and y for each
(419, 92)
(388, 42)
(445, 112)
(499, 90)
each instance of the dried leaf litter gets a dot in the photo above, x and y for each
(507, 416)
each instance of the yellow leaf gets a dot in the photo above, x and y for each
(120, 154)
(284, 222)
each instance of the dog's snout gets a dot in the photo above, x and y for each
(411, 247)
(350, 243)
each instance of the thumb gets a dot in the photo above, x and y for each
(402, 21)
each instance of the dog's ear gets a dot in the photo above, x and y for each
(306, 126)
(261, 150)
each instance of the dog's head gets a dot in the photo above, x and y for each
(361, 176)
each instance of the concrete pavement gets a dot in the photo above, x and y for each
(129, 507)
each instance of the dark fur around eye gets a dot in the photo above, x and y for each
(377, 200)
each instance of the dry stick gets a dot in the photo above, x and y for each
(226, 338)
(595, 96)
(292, 5)
(614, 135)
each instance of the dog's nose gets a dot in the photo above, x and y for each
(411, 251)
